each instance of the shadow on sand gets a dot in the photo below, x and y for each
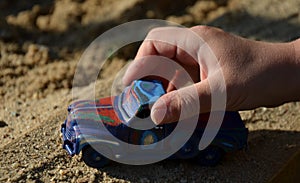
(78, 37)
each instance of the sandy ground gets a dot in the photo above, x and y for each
(41, 44)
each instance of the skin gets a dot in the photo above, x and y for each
(256, 73)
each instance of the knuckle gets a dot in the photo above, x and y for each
(155, 31)
(201, 28)
(206, 31)
(155, 35)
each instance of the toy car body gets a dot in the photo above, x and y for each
(119, 113)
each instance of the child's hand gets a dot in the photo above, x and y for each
(255, 73)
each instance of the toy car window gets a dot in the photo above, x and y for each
(129, 103)
(142, 96)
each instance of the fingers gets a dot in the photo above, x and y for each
(180, 79)
(182, 103)
(181, 45)
(167, 40)
(155, 67)
(179, 55)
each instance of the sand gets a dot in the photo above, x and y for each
(41, 44)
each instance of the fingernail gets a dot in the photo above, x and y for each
(158, 112)
(158, 115)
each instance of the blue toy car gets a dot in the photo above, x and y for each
(120, 113)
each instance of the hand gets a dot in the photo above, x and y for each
(254, 73)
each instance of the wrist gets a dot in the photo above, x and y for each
(281, 64)
(296, 45)
(295, 69)
(292, 65)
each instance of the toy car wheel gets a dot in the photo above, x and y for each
(188, 150)
(93, 158)
(210, 156)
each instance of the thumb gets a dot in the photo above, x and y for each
(182, 104)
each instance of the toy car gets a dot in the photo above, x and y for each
(118, 112)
